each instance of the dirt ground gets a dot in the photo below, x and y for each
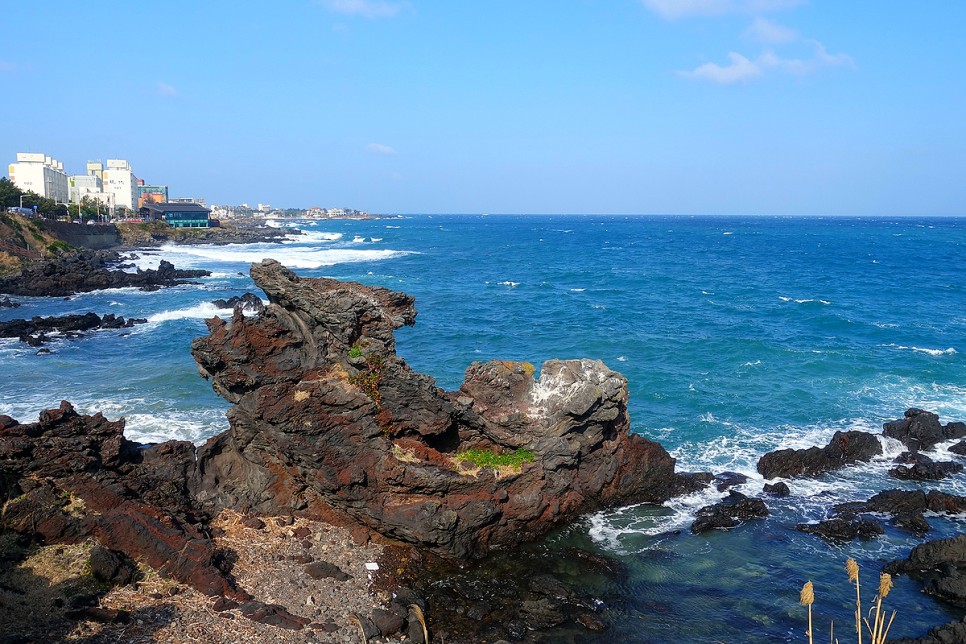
(39, 585)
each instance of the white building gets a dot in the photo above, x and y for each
(119, 180)
(39, 173)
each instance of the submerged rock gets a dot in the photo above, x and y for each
(732, 511)
(328, 418)
(844, 528)
(845, 448)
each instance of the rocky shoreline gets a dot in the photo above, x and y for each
(329, 427)
(88, 270)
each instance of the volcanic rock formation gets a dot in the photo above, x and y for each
(327, 418)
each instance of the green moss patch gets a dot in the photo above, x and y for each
(486, 458)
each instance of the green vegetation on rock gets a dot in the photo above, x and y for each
(487, 458)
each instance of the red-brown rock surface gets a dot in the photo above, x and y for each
(327, 418)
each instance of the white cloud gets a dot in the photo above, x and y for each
(770, 32)
(742, 69)
(166, 90)
(379, 148)
(365, 8)
(674, 9)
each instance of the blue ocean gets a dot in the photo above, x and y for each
(738, 335)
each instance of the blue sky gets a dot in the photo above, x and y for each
(564, 106)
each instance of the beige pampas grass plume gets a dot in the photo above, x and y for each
(885, 584)
(852, 568)
(807, 598)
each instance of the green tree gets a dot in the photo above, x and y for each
(9, 193)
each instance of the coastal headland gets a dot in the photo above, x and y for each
(388, 504)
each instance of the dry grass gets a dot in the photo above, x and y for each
(878, 629)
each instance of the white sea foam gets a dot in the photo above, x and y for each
(621, 358)
(375, 239)
(358, 239)
(510, 284)
(933, 352)
(577, 290)
(752, 364)
(289, 255)
(312, 236)
(803, 301)
(204, 310)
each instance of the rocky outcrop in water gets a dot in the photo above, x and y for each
(921, 430)
(845, 448)
(940, 566)
(7, 303)
(914, 466)
(248, 302)
(90, 271)
(733, 510)
(34, 331)
(327, 418)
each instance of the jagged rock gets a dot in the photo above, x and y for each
(951, 633)
(921, 430)
(7, 303)
(940, 566)
(844, 528)
(689, 483)
(897, 502)
(32, 331)
(112, 567)
(76, 477)
(725, 480)
(89, 271)
(845, 448)
(776, 489)
(931, 471)
(248, 302)
(388, 622)
(728, 513)
(327, 417)
(959, 448)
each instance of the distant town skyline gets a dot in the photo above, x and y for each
(428, 106)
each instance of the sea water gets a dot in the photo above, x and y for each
(738, 336)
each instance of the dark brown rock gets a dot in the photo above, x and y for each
(931, 471)
(111, 567)
(328, 417)
(776, 489)
(732, 511)
(940, 566)
(921, 430)
(90, 271)
(844, 449)
(844, 528)
(325, 570)
(388, 622)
